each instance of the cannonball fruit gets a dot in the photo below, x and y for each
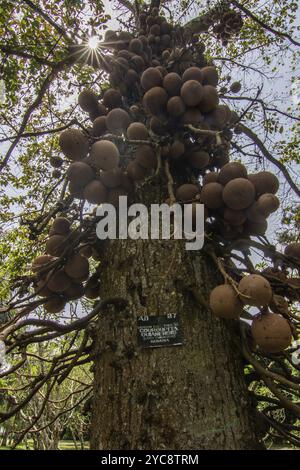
(199, 159)
(117, 120)
(255, 290)
(172, 84)
(155, 100)
(268, 203)
(192, 92)
(210, 99)
(137, 131)
(231, 171)
(104, 155)
(55, 304)
(192, 73)
(150, 78)
(80, 174)
(74, 144)
(293, 250)
(77, 266)
(187, 192)
(224, 302)
(210, 76)
(58, 281)
(211, 195)
(112, 98)
(271, 332)
(40, 262)
(239, 194)
(88, 101)
(95, 192)
(264, 182)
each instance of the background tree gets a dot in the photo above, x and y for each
(135, 389)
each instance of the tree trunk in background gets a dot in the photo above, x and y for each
(183, 397)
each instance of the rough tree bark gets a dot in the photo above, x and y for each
(184, 397)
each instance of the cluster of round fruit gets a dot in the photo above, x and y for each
(270, 331)
(229, 25)
(62, 280)
(225, 22)
(242, 201)
(94, 174)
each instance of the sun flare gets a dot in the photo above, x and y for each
(93, 42)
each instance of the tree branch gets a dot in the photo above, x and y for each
(26, 55)
(263, 24)
(48, 80)
(47, 18)
(249, 133)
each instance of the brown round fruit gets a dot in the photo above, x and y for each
(55, 305)
(77, 266)
(254, 214)
(177, 149)
(137, 131)
(176, 106)
(268, 203)
(271, 332)
(88, 101)
(95, 192)
(80, 174)
(239, 194)
(255, 290)
(56, 162)
(210, 99)
(61, 226)
(146, 157)
(210, 76)
(99, 126)
(136, 171)
(264, 182)
(155, 100)
(55, 245)
(211, 177)
(192, 73)
(150, 78)
(172, 84)
(293, 250)
(136, 46)
(211, 195)
(231, 171)
(105, 155)
(41, 262)
(92, 292)
(225, 303)
(118, 120)
(192, 116)
(255, 228)
(235, 87)
(199, 159)
(187, 192)
(86, 250)
(73, 144)
(234, 218)
(112, 98)
(41, 288)
(75, 291)
(58, 281)
(192, 92)
(219, 117)
(111, 178)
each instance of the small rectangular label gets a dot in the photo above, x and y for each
(157, 331)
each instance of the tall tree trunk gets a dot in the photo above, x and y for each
(182, 397)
